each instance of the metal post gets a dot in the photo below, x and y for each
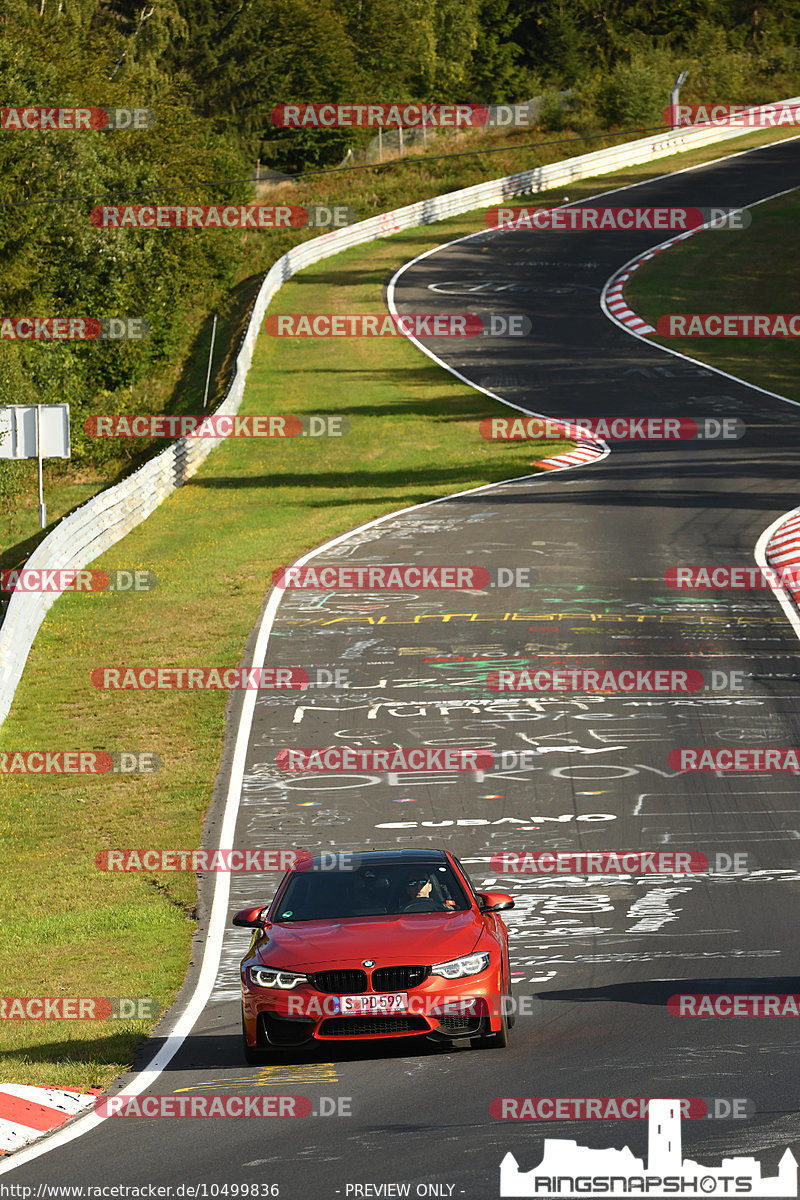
(674, 97)
(42, 505)
(380, 144)
(400, 136)
(210, 356)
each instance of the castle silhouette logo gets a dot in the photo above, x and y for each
(568, 1169)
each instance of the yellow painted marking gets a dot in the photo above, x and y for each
(617, 618)
(307, 1074)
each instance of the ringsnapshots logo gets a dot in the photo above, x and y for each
(567, 1169)
(735, 116)
(612, 429)
(79, 762)
(402, 578)
(414, 325)
(215, 425)
(73, 579)
(222, 216)
(733, 325)
(78, 1008)
(581, 220)
(73, 329)
(81, 120)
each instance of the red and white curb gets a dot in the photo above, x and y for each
(584, 452)
(613, 300)
(26, 1113)
(783, 549)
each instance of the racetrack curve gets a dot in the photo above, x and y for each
(596, 958)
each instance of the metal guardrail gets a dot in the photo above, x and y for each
(102, 521)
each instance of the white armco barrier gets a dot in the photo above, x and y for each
(86, 533)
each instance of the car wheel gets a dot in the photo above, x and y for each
(252, 1056)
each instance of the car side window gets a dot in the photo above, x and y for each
(467, 881)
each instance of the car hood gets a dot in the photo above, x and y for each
(420, 938)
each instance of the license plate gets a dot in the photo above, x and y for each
(383, 1005)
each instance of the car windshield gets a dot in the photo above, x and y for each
(372, 891)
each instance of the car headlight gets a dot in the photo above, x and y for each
(457, 968)
(269, 977)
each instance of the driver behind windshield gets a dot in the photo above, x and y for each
(373, 891)
(422, 892)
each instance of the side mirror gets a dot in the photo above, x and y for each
(494, 901)
(250, 918)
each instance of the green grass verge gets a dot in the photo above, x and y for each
(730, 271)
(67, 928)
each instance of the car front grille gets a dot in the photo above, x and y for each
(339, 982)
(397, 979)
(363, 1026)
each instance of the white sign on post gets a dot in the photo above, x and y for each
(35, 431)
(18, 431)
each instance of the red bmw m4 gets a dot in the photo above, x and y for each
(383, 944)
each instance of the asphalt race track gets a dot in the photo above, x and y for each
(598, 958)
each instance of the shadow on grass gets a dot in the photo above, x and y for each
(373, 481)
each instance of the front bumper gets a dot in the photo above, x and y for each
(443, 1008)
